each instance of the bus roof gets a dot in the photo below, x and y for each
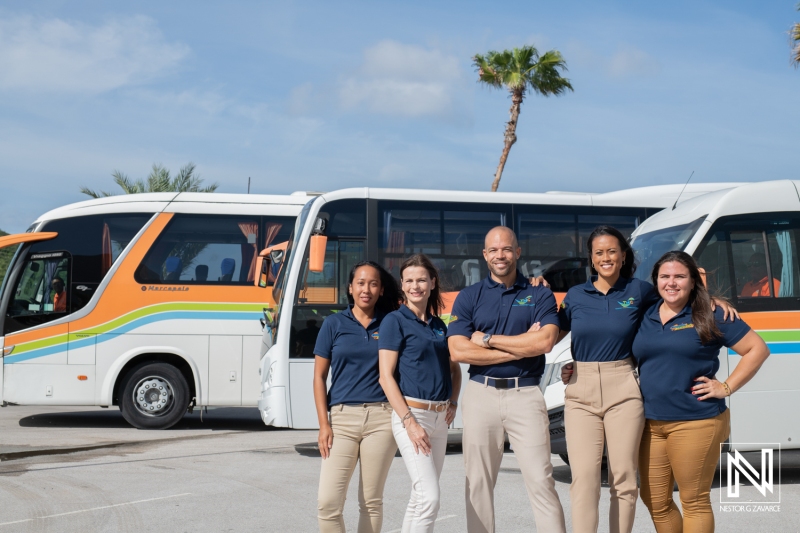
(761, 197)
(185, 202)
(657, 196)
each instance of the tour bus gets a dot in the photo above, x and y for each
(145, 301)
(743, 237)
(338, 229)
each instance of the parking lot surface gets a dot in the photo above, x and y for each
(84, 469)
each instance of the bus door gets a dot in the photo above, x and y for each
(9, 299)
(752, 260)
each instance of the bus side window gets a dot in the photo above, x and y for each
(452, 238)
(715, 260)
(554, 244)
(764, 257)
(210, 249)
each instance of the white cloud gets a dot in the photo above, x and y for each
(630, 61)
(56, 55)
(405, 80)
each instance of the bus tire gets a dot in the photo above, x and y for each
(154, 396)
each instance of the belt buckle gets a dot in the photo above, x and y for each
(501, 383)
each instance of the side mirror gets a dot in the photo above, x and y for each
(316, 254)
(264, 266)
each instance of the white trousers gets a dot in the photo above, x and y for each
(423, 506)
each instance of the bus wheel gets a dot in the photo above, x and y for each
(154, 396)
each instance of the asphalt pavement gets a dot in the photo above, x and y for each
(84, 469)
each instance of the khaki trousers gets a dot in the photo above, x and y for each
(686, 452)
(488, 414)
(361, 433)
(603, 407)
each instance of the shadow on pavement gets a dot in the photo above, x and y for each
(311, 449)
(226, 419)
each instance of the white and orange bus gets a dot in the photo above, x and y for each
(386, 225)
(747, 239)
(145, 301)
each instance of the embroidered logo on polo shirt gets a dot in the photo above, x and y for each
(523, 302)
(453, 318)
(439, 332)
(375, 335)
(678, 327)
(627, 304)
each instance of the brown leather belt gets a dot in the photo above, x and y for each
(429, 406)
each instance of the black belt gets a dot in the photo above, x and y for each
(505, 383)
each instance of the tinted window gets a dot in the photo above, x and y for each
(554, 243)
(754, 262)
(211, 249)
(453, 238)
(345, 218)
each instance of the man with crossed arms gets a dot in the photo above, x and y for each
(491, 329)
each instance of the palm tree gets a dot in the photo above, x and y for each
(795, 33)
(159, 180)
(520, 70)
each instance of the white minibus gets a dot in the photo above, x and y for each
(728, 232)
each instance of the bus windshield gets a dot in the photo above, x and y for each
(649, 247)
(278, 289)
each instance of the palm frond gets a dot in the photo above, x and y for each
(159, 180)
(796, 39)
(95, 194)
(125, 183)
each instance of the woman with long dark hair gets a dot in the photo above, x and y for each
(603, 406)
(359, 428)
(413, 348)
(677, 347)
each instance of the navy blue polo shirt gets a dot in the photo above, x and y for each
(353, 351)
(492, 307)
(603, 325)
(423, 356)
(671, 357)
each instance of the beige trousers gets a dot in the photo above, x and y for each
(488, 414)
(686, 452)
(363, 434)
(603, 407)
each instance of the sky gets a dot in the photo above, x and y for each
(325, 95)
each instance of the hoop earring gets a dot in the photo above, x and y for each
(623, 262)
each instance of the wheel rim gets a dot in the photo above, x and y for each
(153, 396)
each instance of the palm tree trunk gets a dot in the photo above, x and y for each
(510, 136)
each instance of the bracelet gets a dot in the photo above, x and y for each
(454, 404)
(727, 388)
(408, 415)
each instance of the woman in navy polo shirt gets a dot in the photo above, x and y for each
(360, 426)
(677, 348)
(603, 405)
(413, 346)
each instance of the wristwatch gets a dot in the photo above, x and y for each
(486, 339)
